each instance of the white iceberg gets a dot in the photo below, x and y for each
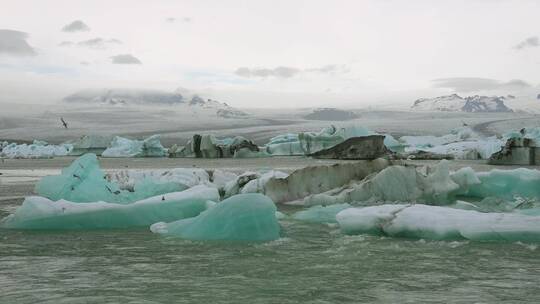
(38, 149)
(439, 223)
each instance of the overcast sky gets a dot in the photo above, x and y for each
(271, 53)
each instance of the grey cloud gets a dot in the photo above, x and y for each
(98, 43)
(288, 72)
(125, 59)
(471, 84)
(529, 42)
(14, 43)
(76, 26)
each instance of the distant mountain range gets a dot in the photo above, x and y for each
(456, 103)
(125, 97)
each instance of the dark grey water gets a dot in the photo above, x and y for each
(311, 264)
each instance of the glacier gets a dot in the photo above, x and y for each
(243, 217)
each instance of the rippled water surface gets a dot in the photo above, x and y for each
(310, 264)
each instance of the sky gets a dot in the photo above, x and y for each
(271, 54)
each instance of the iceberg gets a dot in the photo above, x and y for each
(461, 143)
(284, 145)
(321, 214)
(394, 183)
(188, 177)
(209, 146)
(318, 179)
(243, 217)
(123, 147)
(95, 144)
(437, 186)
(84, 181)
(42, 213)
(439, 223)
(307, 143)
(38, 149)
(507, 184)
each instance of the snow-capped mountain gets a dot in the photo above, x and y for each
(456, 103)
(180, 97)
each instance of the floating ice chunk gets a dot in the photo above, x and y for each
(188, 177)
(320, 214)
(395, 183)
(530, 133)
(439, 223)
(507, 184)
(280, 215)
(317, 179)
(90, 144)
(38, 149)
(479, 149)
(123, 147)
(313, 142)
(462, 143)
(220, 178)
(258, 185)
(284, 145)
(392, 144)
(84, 181)
(42, 213)
(243, 217)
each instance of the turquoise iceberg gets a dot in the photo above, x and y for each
(320, 214)
(42, 213)
(243, 217)
(84, 181)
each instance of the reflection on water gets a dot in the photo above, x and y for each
(311, 263)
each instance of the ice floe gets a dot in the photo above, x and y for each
(38, 149)
(42, 213)
(124, 147)
(243, 217)
(84, 181)
(439, 223)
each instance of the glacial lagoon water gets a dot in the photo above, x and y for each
(310, 263)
